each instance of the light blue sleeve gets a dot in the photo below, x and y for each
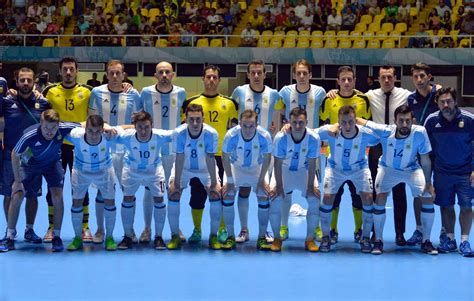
(425, 146)
(314, 145)
(279, 149)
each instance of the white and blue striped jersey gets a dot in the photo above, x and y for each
(195, 150)
(263, 103)
(143, 155)
(90, 157)
(401, 153)
(245, 153)
(310, 101)
(165, 108)
(349, 154)
(114, 108)
(295, 155)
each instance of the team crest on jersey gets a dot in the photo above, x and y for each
(173, 102)
(461, 124)
(122, 101)
(37, 106)
(408, 146)
(265, 99)
(311, 101)
(200, 145)
(223, 107)
(80, 95)
(356, 147)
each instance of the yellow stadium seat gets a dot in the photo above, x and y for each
(216, 43)
(401, 27)
(359, 43)
(263, 43)
(48, 42)
(144, 12)
(374, 27)
(317, 43)
(153, 13)
(317, 34)
(355, 35)
(413, 12)
(464, 43)
(329, 34)
(388, 43)
(275, 42)
(366, 19)
(373, 43)
(289, 42)
(395, 34)
(369, 34)
(266, 35)
(381, 35)
(330, 43)
(360, 27)
(303, 43)
(292, 33)
(202, 42)
(388, 27)
(429, 32)
(345, 43)
(378, 18)
(279, 33)
(243, 5)
(161, 43)
(305, 33)
(342, 34)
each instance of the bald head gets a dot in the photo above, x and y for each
(164, 73)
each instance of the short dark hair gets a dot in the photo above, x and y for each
(25, 69)
(297, 111)
(420, 67)
(194, 108)
(445, 90)
(67, 59)
(255, 62)
(212, 67)
(141, 116)
(403, 109)
(50, 116)
(346, 110)
(95, 120)
(389, 67)
(345, 69)
(248, 114)
(303, 62)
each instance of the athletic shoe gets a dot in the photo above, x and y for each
(126, 243)
(75, 245)
(134, 237)
(195, 237)
(229, 244)
(222, 235)
(110, 244)
(158, 243)
(427, 247)
(465, 249)
(214, 243)
(318, 234)
(145, 237)
(334, 237)
(400, 240)
(365, 246)
(48, 237)
(284, 233)
(325, 245)
(311, 246)
(443, 237)
(181, 236)
(377, 249)
(98, 237)
(269, 237)
(449, 245)
(57, 244)
(30, 236)
(358, 235)
(242, 237)
(86, 235)
(262, 244)
(175, 242)
(415, 239)
(7, 244)
(276, 245)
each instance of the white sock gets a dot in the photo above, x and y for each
(325, 214)
(160, 215)
(243, 207)
(77, 213)
(11, 233)
(427, 220)
(29, 226)
(367, 220)
(419, 228)
(173, 216)
(464, 238)
(312, 216)
(110, 214)
(128, 215)
(263, 216)
(99, 212)
(147, 208)
(285, 210)
(275, 215)
(215, 212)
(379, 221)
(229, 215)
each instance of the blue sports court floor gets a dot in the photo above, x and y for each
(402, 273)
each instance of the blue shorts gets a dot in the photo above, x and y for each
(31, 177)
(448, 186)
(8, 177)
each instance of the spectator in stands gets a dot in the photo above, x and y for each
(319, 21)
(300, 9)
(204, 10)
(119, 5)
(191, 10)
(147, 36)
(293, 22)
(19, 31)
(4, 40)
(459, 18)
(434, 21)
(229, 22)
(348, 5)
(372, 7)
(187, 35)
(105, 80)
(82, 24)
(50, 7)
(307, 21)
(288, 7)
(34, 36)
(348, 20)
(262, 8)
(78, 40)
(102, 39)
(34, 10)
(404, 12)
(143, 22)
(268, 21)
(421, 41)
(213, 20)
(248, 36)
(442, 7)
(391, 12)
(64, 10)
(446, 41)
(313, 6)
(99, 15)
(175, 36)
(325, 6)
(133, 40)
(53, 27)
(235, 9)
(196, 27)
(280, 20)
(40, 24)
(467, 27)
(88, 16)
(446, 21)
(19, 16)
(275, 8)
(371, 83)
(256, 20)
(334, 21)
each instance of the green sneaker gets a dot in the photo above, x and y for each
(262, 244)
(195, 237)
(222, 235)
(175, 242)
(318, 234)
(229, 244)
(214, 243)
(284, 232)
(110, 244)
(75, 245)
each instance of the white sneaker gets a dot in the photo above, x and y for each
(242, 237)
(269, 237)
(98, 237)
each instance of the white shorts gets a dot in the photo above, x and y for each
(103, 180)
(294, 180)
(168, 162)
(154, 179)
(334, 178)
(187, 175)
(117, 162)
(388, 177)
(247, 177)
